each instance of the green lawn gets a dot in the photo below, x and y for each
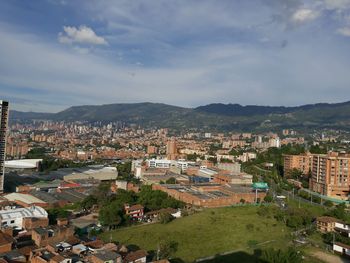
(313, 209)
(208, 233)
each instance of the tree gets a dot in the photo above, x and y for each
(166, 249)
(156, 199)
(268, 198)
(88, 202)
(213, 160)
(111, 215)
(339, 212)
(295, 173)
(171, 180)
(328, 203)
(317, 149)
(124, 171)
(103, 192)
(165, 218)
(192, 157)
(55, 213)
(281, 256)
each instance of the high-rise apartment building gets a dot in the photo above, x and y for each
(4, 110)
(301, 162)
(171, 149)
(331, 175)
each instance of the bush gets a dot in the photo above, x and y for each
(268, 198)
(278, 256)
(328, 203)
(249, 227)
(184, 213)
(165, 218)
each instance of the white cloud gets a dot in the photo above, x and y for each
(345, 31)
(82, 35)
(303, 15)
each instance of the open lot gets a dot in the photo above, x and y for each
(208, 233)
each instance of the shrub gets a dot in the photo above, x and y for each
(328, 203)
(165, 218)
(249, 227)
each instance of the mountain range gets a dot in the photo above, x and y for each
(213, 116)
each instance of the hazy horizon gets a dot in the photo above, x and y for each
(243, 105)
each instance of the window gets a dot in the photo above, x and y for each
(12, 222)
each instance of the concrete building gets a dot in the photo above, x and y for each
(101, 174)
(159, 163)
(18, 217)
(236, 179)
(331, 174)
(325, 224)
(183, 165)
(4, 111)
(211, 195)
(171, 149)
(302, 163)
(233, 168)
(207, 173)
(25, 200)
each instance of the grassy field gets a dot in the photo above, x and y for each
(208, 233)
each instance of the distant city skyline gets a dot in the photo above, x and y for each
(56, 53)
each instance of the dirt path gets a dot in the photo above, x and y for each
(329, 258)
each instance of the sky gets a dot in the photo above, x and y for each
(58, 53)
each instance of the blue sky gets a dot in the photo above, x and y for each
(59, 53)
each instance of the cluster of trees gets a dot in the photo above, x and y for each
(214, 147)
(124, 172)
(111, 212)
(340, 213)
(171, 180)
(50, 164)
(276, 154)
(236, 151)
(36, 153)
(193, 157)
(292, 217)
(317, 149)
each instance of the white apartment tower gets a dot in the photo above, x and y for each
(4, 110)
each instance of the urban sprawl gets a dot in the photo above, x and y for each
(69, 189)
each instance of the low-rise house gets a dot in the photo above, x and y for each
(106, 256)
(42, 236)
(342, 228)
(14, 256)
(25, 200)
(135, 211)
(153, 215)
(43, 255)
(325, 224)
(341, 249)
(139, 256)
(6, 242)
